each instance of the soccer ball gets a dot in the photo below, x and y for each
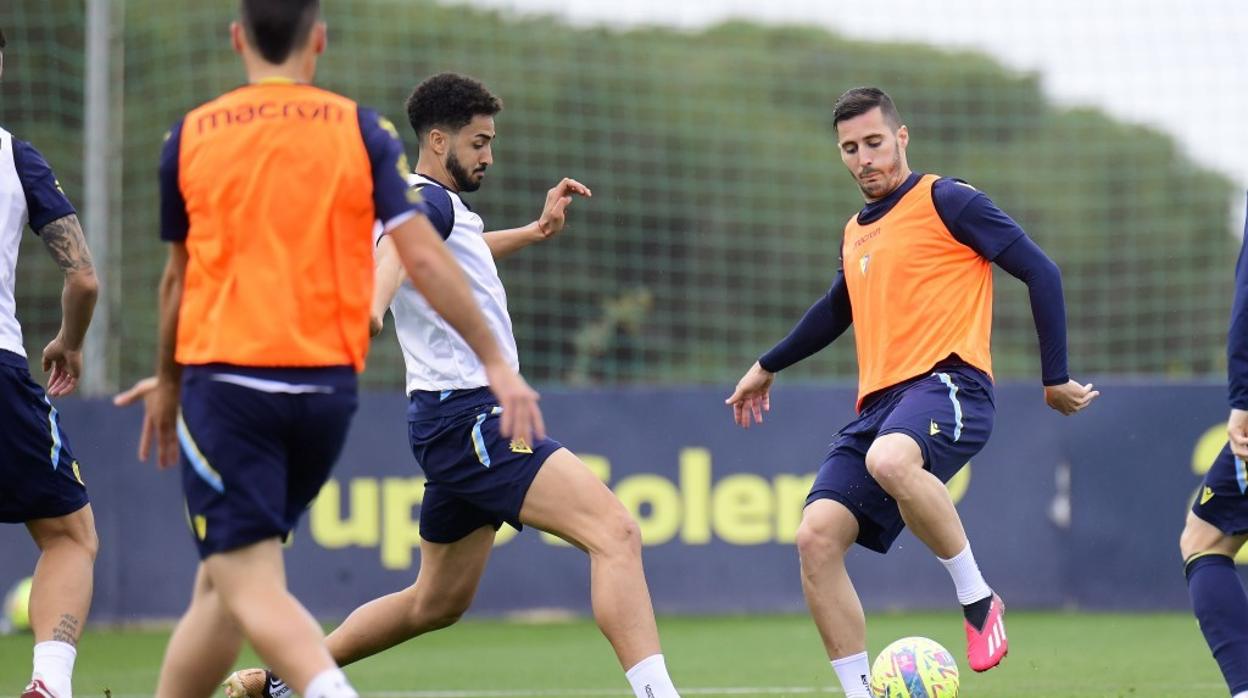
(17, 607)
(914, 667)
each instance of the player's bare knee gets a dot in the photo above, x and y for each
(893, 473)
(818, 543)
(620, 534)
(88, 541)
(84, 535)
(446, 615)
(434, 610)
(76, 531)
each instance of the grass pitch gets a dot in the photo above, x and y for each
(1052, 655)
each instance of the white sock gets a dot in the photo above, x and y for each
(649, 679)
(1241, 694)
(966, 577)
(54, 665)
(855, 675)
(331, 683)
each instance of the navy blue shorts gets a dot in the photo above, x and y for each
(1223, 497)
(40, 476)
(949, 413)
(474, 476)
(257, 445)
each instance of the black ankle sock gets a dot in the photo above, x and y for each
(977, 613)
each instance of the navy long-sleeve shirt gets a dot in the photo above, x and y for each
(975, 221)
(1237, 337)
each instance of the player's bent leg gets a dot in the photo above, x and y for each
(896, 462)
(204, 645)
(568, 500)
(60, 595)
(1218, 597)
(444, 588)
(251, 583)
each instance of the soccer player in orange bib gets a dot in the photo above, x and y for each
(916, 282)
(269, 195)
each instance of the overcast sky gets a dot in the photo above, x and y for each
(1181, 65)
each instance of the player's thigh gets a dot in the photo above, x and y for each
(893, 457)
(314, 444)
(949, 416)
(41, 478)
(450, 572)
(843, 478)
(1200, 536)
(242, 572)
(1218, 520)
(475, 475)
(234, 463)
(568, 500)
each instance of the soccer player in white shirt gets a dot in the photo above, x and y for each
(42, 484)
(476, 479)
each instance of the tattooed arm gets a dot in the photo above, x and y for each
(63, 355)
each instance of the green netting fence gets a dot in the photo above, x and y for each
(719, 194)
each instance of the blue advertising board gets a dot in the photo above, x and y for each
(1082, 511)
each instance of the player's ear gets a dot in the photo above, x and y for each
(438, 141)
(903, 136)
(238, 40)
(319, 38)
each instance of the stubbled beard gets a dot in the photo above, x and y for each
(886, 185)
(463, 181)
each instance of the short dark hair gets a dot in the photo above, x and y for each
(3, 43)
(278, 27)
(450, 101)
(861, 100)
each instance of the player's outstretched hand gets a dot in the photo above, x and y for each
(554, 213)
(160, 424)
(136, 392)
(521, 418)
(375, 325)
(1070, 397)
(1237, 432)
(752, 397)
(63, 366)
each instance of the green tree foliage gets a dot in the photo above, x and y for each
(719, 193)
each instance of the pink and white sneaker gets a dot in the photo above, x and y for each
(987, 646)
(36, 689)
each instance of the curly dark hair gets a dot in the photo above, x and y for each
(861, 100)
(449, 101)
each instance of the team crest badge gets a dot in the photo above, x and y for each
(863, 261)
(1206, 495)
(520, 446)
